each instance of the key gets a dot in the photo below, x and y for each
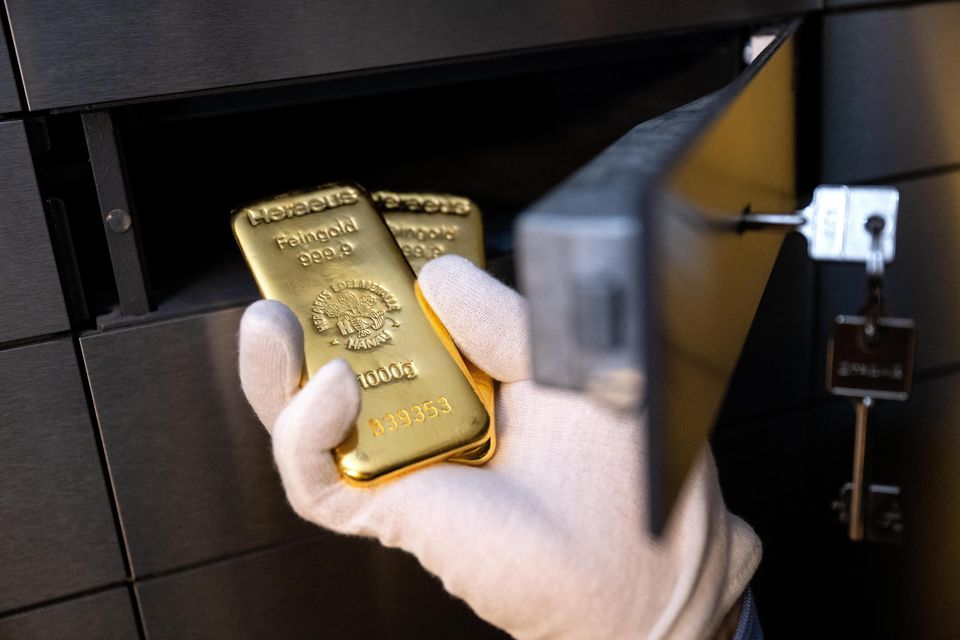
(868, 369)
(834, 222)
(863, 408)
(836, 219)
(869, 357)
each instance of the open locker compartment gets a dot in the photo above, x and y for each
(502, 132)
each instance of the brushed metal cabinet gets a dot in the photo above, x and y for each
(75, 52)
(928, 429)
(331, 587)
(923, 282)
(9, 98)
(191, 464)
(890, 91)
(31, 300)
(107, 615)
(58, 534)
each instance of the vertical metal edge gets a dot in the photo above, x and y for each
(13, 57)
(663, 488)
(125, 258)
(105, 457)
(121, 529)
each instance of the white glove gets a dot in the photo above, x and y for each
(548, 540)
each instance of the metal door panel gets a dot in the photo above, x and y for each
(331, 587)
(58, 534)
(31, 300)
(655, 284)
(925, 436)
(75, 52)
(923, 281)
(890, 70)
(9, 98)
(105, 616)
(191, 464)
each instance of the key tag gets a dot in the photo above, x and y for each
(859, 367)
(869, 355)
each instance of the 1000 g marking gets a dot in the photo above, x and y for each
(427, 410)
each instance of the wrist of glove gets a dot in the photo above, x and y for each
(548, 540)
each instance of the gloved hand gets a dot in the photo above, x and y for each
(545, 541)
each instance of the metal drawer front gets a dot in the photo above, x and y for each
(890, 71)
(333, 587)
(74, 53)
(9, 99)
(104, 616)
(927, 431)
(31, 300)
(58, 532)
(191, 464)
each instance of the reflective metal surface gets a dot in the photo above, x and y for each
(76, 52)
(191, 464)
(331, 587)
(328, 256)
(107, 615)
(31, 300)
(58, 531)
(429, 225)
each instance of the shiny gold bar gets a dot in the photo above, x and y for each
(327, 254)
(429, 225)
(482, 384)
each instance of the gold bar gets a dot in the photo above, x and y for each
(429, 225)
(327, 254)
(482, 384)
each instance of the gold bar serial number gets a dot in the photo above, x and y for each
(427, 410)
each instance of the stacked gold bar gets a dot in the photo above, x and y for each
(429, 225)
(328, 255)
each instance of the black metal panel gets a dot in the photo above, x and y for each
(76, 52)
(890, 91)
(843, 4)
(191, 465)
(105, 616)
(9, 98)
(59, 535)
(923, 282)
(31, 300)
(118, 221)
(928, 429)
(333, 587)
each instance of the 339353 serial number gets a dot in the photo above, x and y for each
(401, 418)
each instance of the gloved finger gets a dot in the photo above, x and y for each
(486, 318)
(453, 517)
(271, 358)
(318, 418)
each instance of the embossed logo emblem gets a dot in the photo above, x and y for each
(358, 309)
